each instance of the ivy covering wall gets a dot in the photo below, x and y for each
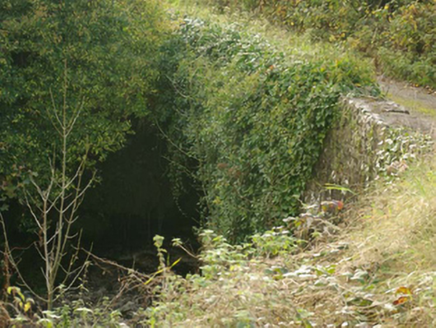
(252, 118)
(373, 149)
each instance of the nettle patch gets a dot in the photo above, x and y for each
(254, 119)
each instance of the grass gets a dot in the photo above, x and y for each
(396, 234)
(297, 46)
(413, 104)
(385, 251)
(398, 222)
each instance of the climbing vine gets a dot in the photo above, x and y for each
(254, 120)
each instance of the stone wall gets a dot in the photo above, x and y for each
(367, 140)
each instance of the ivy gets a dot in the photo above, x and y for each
(254, 119)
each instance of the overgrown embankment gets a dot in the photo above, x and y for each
(371, 265)
(253, 118)
(249, 124)
(400, 35)
(376, 269)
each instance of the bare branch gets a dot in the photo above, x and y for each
(62, 197)
(39, 252)
(13, 262)
(74, 118)
(38, 189)
(35, 217)
(73, 236)
(79, 273)
(55, 113)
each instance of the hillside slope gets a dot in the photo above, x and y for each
(398, 34)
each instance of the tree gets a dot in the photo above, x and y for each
(73, 74)
(110, 47)
(54, 206)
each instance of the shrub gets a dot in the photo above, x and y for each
(404, 28)
(409, 50)
(236, 288)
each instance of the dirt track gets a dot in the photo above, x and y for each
(417, 108)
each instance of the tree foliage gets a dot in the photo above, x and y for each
(108, 49)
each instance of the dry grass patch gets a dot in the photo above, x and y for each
(397, 222)
(379, 271)
(394, 240)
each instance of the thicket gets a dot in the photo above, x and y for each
(399, 34)
(250, 119)
(73, 76)
(105, 52)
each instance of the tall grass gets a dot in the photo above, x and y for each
(357, 278)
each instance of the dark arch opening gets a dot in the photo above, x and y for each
(135, 201)
(120, 215)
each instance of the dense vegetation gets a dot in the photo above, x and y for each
(399, 34)
(378, 271)
(254, 119)
(244, 118)
(73, 76)
(93, 57)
